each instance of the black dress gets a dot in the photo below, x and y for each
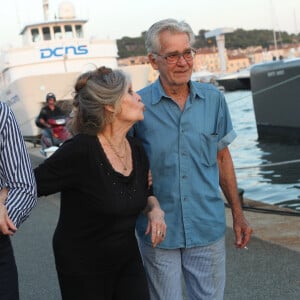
(95, 247)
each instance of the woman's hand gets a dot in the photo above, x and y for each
(6, 225)
(156, 221)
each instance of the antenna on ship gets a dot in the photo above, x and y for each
(66, 10)
(46, 9)
(274, 31)
(295, 22)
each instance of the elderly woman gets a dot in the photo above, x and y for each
(103, 177)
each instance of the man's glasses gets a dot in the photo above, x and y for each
(173, 58)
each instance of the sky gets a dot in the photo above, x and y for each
(118, 18)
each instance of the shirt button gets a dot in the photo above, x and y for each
(183, 176)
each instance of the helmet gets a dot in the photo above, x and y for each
(50, 96)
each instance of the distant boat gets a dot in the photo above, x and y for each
(208, 77)
(53, 54)
(275, 88)
(202, 75)
(239, 80)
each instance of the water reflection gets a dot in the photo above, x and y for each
(280, 162)
(261, 167)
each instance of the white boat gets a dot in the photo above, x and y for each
(208, 77)
(202, 76)
(52, 55)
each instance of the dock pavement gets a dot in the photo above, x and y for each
(268, 270)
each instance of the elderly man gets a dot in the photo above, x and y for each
(186, 132)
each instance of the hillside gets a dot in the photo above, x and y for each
(240, 38)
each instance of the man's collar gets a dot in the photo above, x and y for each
(159, 93)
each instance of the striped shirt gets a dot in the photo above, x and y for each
(15, 168)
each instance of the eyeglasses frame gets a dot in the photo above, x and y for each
(179, 55)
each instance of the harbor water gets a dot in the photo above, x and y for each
(268, 172)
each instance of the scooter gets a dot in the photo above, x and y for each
(53, 137)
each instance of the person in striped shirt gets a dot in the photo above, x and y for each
(17, 197)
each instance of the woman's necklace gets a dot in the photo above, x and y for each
(117, 153)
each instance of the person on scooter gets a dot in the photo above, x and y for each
(49, 111)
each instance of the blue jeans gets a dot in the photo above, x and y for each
(47, 138)
(201, 268)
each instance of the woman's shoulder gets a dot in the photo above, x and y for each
(82, 137)
(80, 141)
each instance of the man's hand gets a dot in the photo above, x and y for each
(242, 231)
(6, 225)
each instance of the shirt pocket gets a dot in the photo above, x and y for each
(209, 149)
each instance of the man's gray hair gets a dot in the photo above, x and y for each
(152, 42)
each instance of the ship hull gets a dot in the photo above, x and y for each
(235, 84)
(276, 98)
(26, 95)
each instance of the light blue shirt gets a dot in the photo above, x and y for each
(182, 149)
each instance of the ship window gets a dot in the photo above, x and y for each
(35, 35)
(46, 33)
(79, 32)
(68, 31)
(57, 32)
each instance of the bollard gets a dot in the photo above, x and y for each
(241, 196)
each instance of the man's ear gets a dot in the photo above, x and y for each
(152, 60)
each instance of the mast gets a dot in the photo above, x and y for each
(295, 22)
(273, 25)
(275, 40)
(46, 9)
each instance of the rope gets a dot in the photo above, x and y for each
(276, 85)
(268, 211)
(270, 164)
(267, 88)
